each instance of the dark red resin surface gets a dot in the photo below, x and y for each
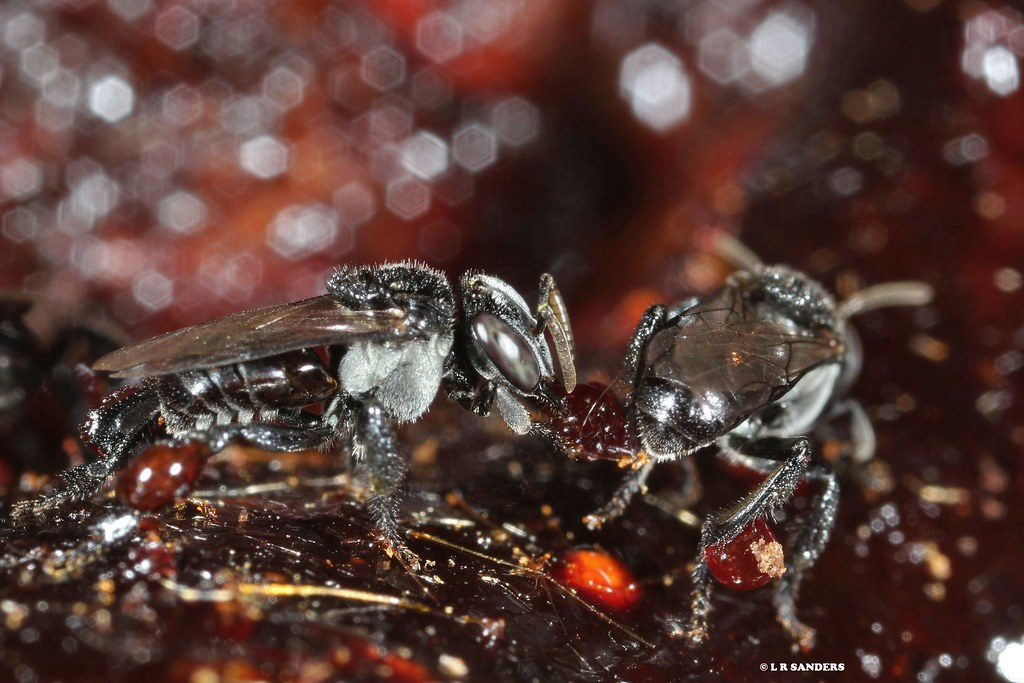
(165, 163)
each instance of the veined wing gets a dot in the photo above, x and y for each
(730, 355)
(258, 333)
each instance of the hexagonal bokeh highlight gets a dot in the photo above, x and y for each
(474, 147)
(111, 98)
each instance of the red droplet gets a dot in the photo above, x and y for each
(152, 559)
(748, 561)
(600, 578)
(160, 474)
(593, 426)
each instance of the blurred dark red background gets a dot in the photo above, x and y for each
(162, 163)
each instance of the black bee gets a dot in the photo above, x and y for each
(43, 350)
(24, 357)
(390, 336)
(753, 368)
(36, 336)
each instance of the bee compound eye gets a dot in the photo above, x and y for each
(508, 350)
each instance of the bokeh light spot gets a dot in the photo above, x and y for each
(303, 229)
(408, 198)
(176, 27)
(780, 45)
(439, 36)
(425, 155)
(264, 157)
(182, 212)
(657, 88)
(383, 67)
(111, 98)
(474, 147)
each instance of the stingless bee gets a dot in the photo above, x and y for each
(389, 336)
(755, 369)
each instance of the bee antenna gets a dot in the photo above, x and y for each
(735, 252)
(910, 293)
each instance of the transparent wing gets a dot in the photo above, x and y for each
(730, 356)
(258, 333)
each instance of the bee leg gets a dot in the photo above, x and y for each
(654, 317)
(681, 307)
(862, 433)
(300, 431)
(78, 483)
(462, 386)
(634, 482)
(275, 438)
(858, 460)
(114, 429)
(690, 491)
(725, 524)
(814, 532)
(381, 468)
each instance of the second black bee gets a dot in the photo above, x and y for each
(755, 369)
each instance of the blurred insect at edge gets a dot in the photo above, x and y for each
(45, 381)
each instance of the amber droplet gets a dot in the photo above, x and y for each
(593, 426)
(160, 474)
(748, 561)
(599, 578)
(152, 559)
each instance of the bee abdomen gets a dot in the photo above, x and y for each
(235, 393)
